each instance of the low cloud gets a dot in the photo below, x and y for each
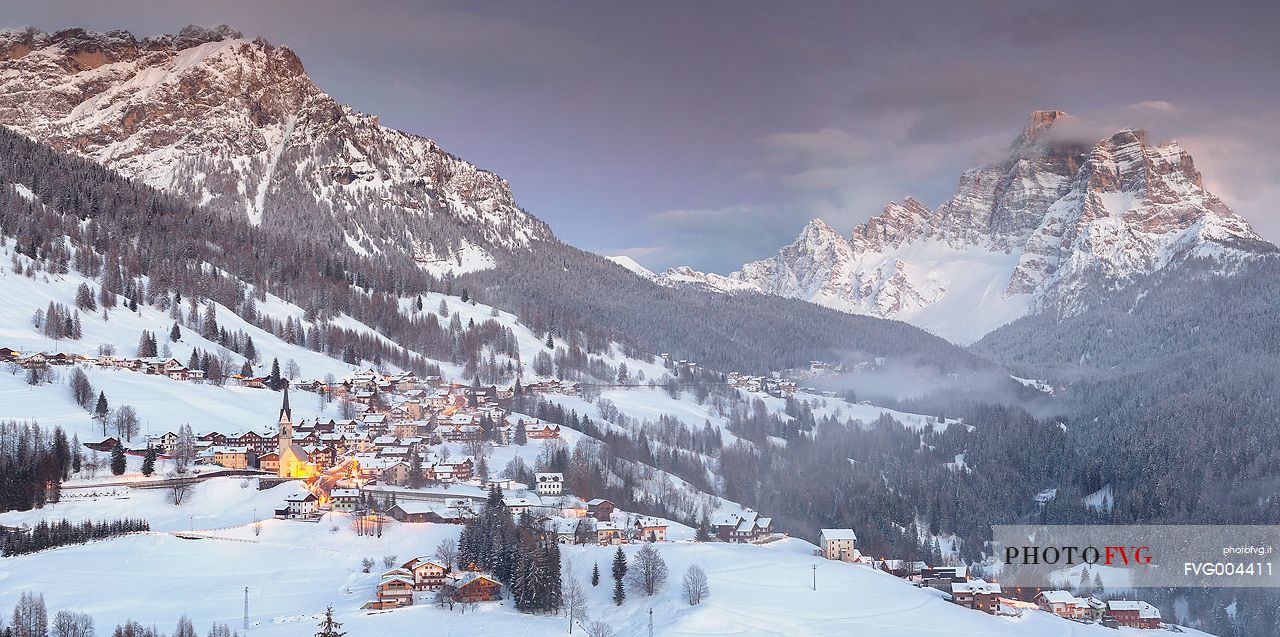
(1158, 106)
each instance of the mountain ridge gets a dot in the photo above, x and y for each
(216, 117)
(1047, 229)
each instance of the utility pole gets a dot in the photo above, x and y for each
(246, 609)
(815, 577)
(651, 622)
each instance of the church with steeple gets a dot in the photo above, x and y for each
(295, 462)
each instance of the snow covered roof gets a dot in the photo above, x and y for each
(1060, 597)
(839, 534)
(1145, 610)
(977, 587)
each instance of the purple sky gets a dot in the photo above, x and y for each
(707, 133)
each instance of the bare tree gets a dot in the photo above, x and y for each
(447, 552)
(695, 585)
(366, 564)
(81, 389)
(648, 571)
(599, 628)
(70, 624)
(29, 616)
(126, 422)
(388, 561)
(292, 370)
(445, 595)
(178, 491)
(186, 449)
(575, 599)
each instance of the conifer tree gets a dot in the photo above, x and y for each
(595, 574)
(117, 460)
(619, 572)
(175, 333)
(101, 410)
(149, 462)
(329, 626)
(273, 379)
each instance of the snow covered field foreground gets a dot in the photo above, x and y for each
(295, 569)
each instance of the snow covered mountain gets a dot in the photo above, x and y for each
(1049, 228)
(238, 124)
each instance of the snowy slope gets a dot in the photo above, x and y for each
(630, 264)
(1050, 228)
(300, 568)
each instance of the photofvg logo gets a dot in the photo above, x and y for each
(1135, 556)
(1071, 555)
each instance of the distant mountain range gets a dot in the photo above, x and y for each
(236, 127)
(1057, 224)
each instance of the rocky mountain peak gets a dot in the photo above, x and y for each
(239, 126)
(1056, 223)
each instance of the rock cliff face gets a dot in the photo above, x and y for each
(238, 125)
(1048, 228)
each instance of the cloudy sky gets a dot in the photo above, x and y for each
(707, 133)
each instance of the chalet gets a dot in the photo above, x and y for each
(837, 544)
(428, 574)
(461, 471)
(300, 506)
(906, 569)
(519, 505)
(413, 512)
(503, 484)
(346, 500)
(165, 443)
(1134, 613)
(106, 444)
(609, 533)
(542, 430)
(977, 594)
(600, 509)
(744, 527)
(650, 530)
(396, 472)
(7, 354)
(477, 587)
(549, 484)
(564, 530)
(942, 577)
(1064, 604)
(394, 590)
(269, 461)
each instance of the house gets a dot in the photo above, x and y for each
(394, 590)
(428, 574)
(294, 462)
(977, 594)
(650, 529)
(477, 587)
(744, 527)
(346, 500)
(600, 509)
(269, 462)
(165, 443)
(901, 568)
(412, 512)
(232, 457)
(541, 430)
(1134, 613)
(549, 484)
(1060, 603)
(837, 544)
(300, 506)
(609, 533)
(107, 444)
(942, 577)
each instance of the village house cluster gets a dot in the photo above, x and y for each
(990, 597)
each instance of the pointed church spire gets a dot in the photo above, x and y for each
(286, 414)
